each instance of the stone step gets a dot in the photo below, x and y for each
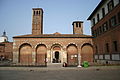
(54, 65)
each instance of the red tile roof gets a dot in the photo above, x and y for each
(54, 36)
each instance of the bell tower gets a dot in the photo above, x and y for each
(77, 27)
(37, 21)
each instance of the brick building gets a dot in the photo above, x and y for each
(39, 49)
(6, 47)
(105, 23)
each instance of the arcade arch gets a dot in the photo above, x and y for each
(25, 54)
(87, 52)
(41, 53)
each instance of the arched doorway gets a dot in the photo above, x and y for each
(87, 53)
(72, 54)
(25, 54)
(56, 58)
(56, 54)
(41, 52)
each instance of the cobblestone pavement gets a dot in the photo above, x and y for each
(36, 73)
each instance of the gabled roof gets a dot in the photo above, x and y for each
(95, 10)
(54, 36)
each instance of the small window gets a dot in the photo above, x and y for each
(119, 17)
(110, 5)
(77, 25)
(105, 26)
(100, 29)
(107, 47)
(98, 18)
(97, 32)
(96, 49)
(93, 21)
(39, 12)
(34, 12)
(103, 12)
(93, 33)
(115, 46)
(5, 40)
(112, 21)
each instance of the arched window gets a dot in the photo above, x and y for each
(34, 12)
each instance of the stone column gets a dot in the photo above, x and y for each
(79, 57)
(15, 57)
(33, 56)
(48, 56)
(15, 54)
(51, 55)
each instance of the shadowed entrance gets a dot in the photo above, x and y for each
(57, 57)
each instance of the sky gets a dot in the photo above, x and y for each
(16, 15)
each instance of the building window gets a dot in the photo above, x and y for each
(103, 12)
(93, 33)
(105, 26)
(119, 17)
(39, 12)
(97, 32)
(77, 25)
(107, 47)
(98, 18)
(34, 12)
(93, 21)
(110, 5)
(96, 49)
(115, 46)
(100, 29)
(112, 21)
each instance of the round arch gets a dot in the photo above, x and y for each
(87, 52)
(72, 55)
(86, 44)
(25, 53)
(56, 55)
(56, 45)
(41, 53)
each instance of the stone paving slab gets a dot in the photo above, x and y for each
(60, 68)
(69, 73)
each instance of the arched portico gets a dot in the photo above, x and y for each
(87, 52)
(25, 54)
(41, 53)
(72, 55)
(57, 54)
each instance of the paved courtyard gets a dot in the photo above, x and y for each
(36, 73)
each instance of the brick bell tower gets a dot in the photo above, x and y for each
(77, 27)
(37, 21)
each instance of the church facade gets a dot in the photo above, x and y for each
(39, 49)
